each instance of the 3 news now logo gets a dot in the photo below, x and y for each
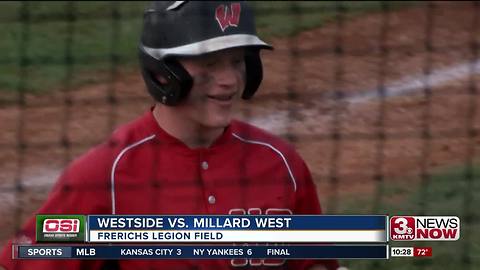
(55, 228)
(433, 228)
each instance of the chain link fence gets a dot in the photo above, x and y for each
(380, 98)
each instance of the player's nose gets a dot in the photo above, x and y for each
(229, 73)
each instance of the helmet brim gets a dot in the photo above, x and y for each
(208, 46)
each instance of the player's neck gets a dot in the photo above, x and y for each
(194, 136)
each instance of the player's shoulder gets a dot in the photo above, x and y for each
(138, 130)
(277, 149)
(254, 135)
(98, 160)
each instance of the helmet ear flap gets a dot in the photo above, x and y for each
(254, 72)
(177, 83)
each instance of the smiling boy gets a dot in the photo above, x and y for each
(186, 155)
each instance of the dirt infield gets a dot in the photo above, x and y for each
(298, 101)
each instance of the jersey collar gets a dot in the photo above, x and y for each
(164, 137)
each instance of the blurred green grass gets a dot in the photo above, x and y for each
(46, 46)
(446, 194)
(40, 31)
(287, 18)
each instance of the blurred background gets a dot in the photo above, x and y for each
(380, 99)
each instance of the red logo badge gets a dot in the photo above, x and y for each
(61, 225)
(228, 16)
(402, 228)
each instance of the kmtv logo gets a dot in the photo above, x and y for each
(434, 228)
(61, 225)
(228, 16)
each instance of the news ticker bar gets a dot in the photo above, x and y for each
(213, 228)
(203, 252)
(245, 228)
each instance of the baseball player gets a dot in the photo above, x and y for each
(186, 155)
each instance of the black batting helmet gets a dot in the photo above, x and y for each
(183, 28)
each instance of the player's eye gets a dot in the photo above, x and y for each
(210, 63)
(237, 61)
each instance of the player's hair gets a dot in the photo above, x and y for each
(182, 28)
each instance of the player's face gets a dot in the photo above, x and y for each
(218, 78)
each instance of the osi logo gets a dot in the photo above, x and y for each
(61, 225)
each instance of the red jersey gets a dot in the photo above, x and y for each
(142, 169)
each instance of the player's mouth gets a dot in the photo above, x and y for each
(222, 99)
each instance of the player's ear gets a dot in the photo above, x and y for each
(161, 79)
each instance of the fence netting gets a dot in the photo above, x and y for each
(379, 98)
